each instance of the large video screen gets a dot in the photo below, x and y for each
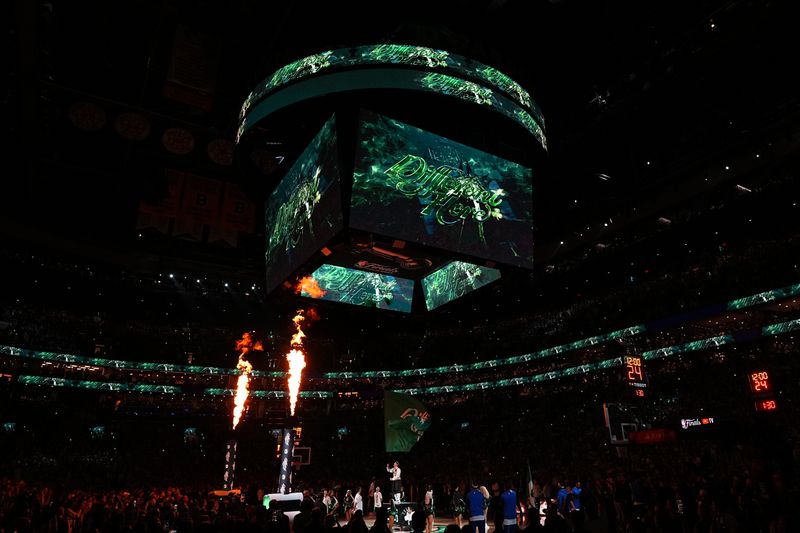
(395, 54)
(305, 209)
(340, 284)
(434, 191)
(454, 280)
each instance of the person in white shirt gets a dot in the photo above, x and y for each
(378, 497)
(358, 501)
(397, 484)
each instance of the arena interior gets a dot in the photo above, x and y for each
(542, 254)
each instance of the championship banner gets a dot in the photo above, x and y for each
(194, 63)
(405, 420)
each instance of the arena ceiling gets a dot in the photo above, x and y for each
(643, 102)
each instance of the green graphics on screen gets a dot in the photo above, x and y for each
(357, 287)
(764, 297)
(393, 54)
(454, 280)
(414, 185)
(466, 90)
(304, 211)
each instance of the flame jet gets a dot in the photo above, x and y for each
(244, 345)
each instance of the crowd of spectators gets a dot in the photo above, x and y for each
(698, 499)
(143, 323)
(740, 474)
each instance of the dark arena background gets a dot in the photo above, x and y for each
(543, 254)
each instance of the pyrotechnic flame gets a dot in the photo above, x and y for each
(242, 391)
(310, 287)
(297, 338)
(297, 361)
(244, 345)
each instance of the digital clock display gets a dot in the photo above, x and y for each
(760, 382)
(635, 374)
(766, 405)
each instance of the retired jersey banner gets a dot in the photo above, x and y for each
(159, 214)
(199, 207)
(405, 420)
(201, 199)
(238, 212)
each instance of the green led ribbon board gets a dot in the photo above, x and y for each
(304, 211)
(454, 280)
(392, 67)
(418, 57)
(369, 289)
(437, 192)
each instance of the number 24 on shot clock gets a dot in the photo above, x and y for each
(634, 368)
(760, 382)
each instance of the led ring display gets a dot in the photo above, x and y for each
(417, 57)
(310, 83)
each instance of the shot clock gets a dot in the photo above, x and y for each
(760, 382)
(762, 390)
(634, 375)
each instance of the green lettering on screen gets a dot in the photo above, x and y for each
(451, 195)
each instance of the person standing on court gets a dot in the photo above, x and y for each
(476, 505)
(509, 499)
(358, 501)
(397, 484)
(377, 498)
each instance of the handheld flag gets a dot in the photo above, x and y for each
(529, 484)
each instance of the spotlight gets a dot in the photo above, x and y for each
(172, 276)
